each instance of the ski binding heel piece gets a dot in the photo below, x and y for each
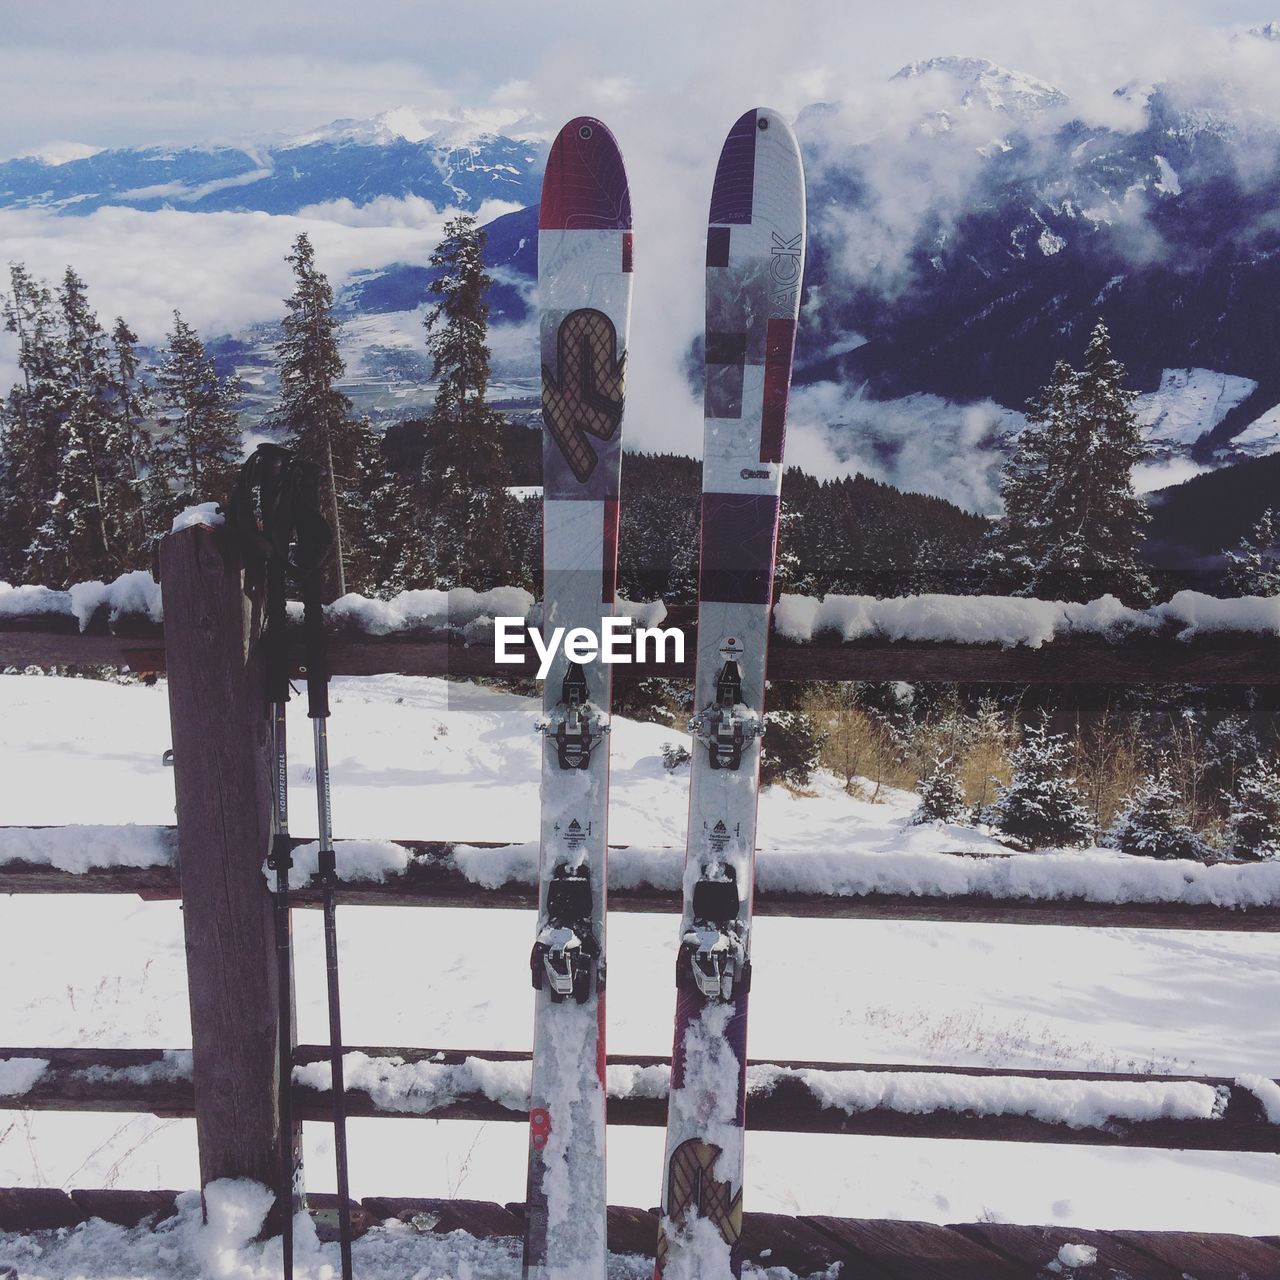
(712, 952)
(574, 724)
(566, 950)
(726, 725)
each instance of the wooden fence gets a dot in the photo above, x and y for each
(228, 1080)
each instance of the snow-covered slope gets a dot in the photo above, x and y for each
(422, 758)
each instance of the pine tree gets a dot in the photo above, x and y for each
(1041, 807)
(29, 421)
(1153, 821)
(199, 448)
(1253, 569)
(791, 747)
(1254, 821)
(383, 558)
(315, 415)
(941, 793)
(464, 478)
(1072, 524)
(133, 404)
(86, 532)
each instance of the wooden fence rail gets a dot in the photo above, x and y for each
(1227, 658)
(779, 1100)
(433, 878)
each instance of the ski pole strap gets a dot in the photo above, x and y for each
(274, 511)
(317, 658)
(313, 546)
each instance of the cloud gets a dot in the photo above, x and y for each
(918, 443)
(224, 271)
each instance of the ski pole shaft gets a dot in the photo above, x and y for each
(318, 710)
(277, 681)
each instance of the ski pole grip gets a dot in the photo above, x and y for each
(314, 648)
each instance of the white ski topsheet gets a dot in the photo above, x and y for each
(755, 261)
(584, 280)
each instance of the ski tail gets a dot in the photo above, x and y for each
(754, 268)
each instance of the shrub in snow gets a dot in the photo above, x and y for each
(655, 700)
(1253, 569)
(941, 793)
(791, 747)
(674, 754)
(1041, 808)
(1153, 821)
(1254, 821)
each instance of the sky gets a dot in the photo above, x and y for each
(668, 76)
(151, 70)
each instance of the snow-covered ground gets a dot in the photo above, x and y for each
(420, 758)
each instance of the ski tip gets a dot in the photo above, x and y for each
(734, 187)
(585, 184)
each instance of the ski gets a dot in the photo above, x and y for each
(755, 261)
(584, 285)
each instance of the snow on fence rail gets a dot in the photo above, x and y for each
(1097, 1109)
(1193, 637)
(1079, 887)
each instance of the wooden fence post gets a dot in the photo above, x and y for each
(222, 779)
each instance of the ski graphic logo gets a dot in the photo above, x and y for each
(586, 399)
(719, 836)
(693, 1190)
(784, 268)
(575, 834)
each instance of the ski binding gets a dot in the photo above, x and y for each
(575, 724)
(566, 949)
(726, 725)
(713, 950)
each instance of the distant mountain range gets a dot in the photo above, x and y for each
(395, 154)
(957, 250)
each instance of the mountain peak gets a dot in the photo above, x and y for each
(1268, 31)
(979, 82)
(399, 124)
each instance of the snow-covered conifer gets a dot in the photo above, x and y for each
(315, 415)
(132, 404)
(1153, 821)
(941, 793)
(464, 477)
(1253, 568)
(1072, 523)
(86, 531)
(385, 556)
(1254, 822)
(199, 445)
(1041, 807)
(29, 419)
(791, 747)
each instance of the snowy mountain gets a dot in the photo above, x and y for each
(979, 83)
(948, 265)
(962, 241)
(397, 153)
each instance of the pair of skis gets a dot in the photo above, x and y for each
(754, 264)
(275, 514)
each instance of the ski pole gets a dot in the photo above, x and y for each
(318, 709)
(260, 512)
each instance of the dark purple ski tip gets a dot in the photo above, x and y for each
(733, 189)
(585, 184)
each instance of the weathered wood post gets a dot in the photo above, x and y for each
(223, 783)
